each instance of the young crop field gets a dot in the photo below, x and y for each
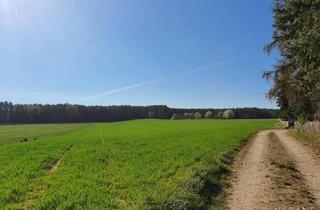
(141, 164)
(19, 133)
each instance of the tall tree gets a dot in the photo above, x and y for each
(296, 76)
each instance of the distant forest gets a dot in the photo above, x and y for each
(67, 113)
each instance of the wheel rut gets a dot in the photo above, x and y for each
(275, 173)
(307, 161)
(38, 188)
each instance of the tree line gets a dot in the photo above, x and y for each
(296, 75)
(71, 113)
(228, 114)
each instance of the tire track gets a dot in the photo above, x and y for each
(308, 162)
(276, 172)
(37, 189)
(249, 183)
(288, 186)
(56, 164)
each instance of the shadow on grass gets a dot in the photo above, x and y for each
(206, 189)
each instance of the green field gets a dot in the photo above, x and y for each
(17, 133)
(142, 164)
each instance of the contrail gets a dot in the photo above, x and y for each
(109, 92)
(199, 68)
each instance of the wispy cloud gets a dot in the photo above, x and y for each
(171, 76)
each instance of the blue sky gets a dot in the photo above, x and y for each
(182, 53)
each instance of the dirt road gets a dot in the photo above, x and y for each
(275, 171)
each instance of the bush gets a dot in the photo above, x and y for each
(197, 115)
(175, 117)
(219, 115)
(302, 120)
(188, 115)
(208, 115)
(228, 114)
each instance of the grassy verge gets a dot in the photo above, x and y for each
(311, 139)
(206, 190)
(218, 196)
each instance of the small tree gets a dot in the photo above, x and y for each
(219, 115)
(188, 115)
(197, 115)
(175, 117)
(208, 115)
(228, 114)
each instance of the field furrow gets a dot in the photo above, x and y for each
(138, 164)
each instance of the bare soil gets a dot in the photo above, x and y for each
(276, 171)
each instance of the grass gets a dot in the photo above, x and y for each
(142, 164)
(311, 139)
(22, 133)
